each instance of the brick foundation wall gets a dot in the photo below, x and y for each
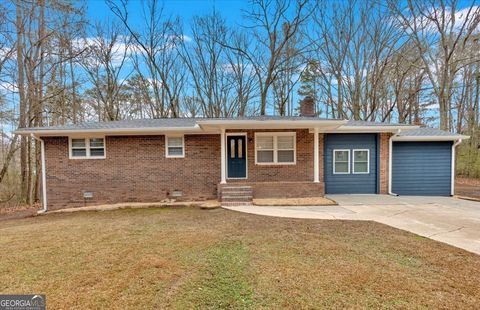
(384, 175)
(282, 189)
(135, 170)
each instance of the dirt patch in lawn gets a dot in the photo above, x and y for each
(204, 204)
(18, 211)
(307, 201)
(188, 258)
(467, 187)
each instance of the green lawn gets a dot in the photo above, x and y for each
(209, 259)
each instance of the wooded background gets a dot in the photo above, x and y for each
(414, 61)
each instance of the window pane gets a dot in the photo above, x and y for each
(360, 156)
(240, 148)
(175, 141)
(96, 142)
(285, 142)
(286, 156)
(79, 152)
(78, 143)
(175, 151)
(232, 148)
(341, 156)
(97, 152)
(265, 156)
(361, 167)
(341, 167)
(264, 142)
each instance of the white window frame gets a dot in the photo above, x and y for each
(275, 135)
(166, 146)
(87, 148)
(334, 161)
(368, 160)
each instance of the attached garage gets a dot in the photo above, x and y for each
(351, 163)
(422, 168)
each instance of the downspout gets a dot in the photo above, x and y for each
(44, 175)
(390, 148)
(452, 186)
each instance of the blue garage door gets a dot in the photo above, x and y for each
(352, 181)
(421, 168)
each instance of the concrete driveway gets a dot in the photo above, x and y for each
(449, 220)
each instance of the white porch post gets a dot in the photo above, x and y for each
(223, 158)
(316, 168)
(44, 174)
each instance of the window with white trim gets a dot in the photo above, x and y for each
(275, 148)
(87, 148)
(361, 161)
(174, 146)
(341, 161)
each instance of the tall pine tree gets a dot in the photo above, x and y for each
(309, 83)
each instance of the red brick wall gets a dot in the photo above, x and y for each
(384, 175)
(283, 189)
(135, 170)
(302, 171)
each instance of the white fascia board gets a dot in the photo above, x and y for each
(429, 138)
(347, 129)
(112, 131)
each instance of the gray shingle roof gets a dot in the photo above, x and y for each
(191, 122)
(136, 123)
(166, 122)
(425, 131)
(366, 123)
(185, 123)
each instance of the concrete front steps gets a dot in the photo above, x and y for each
(237, 195)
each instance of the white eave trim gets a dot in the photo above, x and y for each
(352, 129)
(429, 138)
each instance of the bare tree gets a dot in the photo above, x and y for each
(206, 60)
(440, 30)
(158, 42)
(241, 74)
(354, 47)
(274, 25)
(105, 64)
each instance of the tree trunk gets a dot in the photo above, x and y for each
(22, 121)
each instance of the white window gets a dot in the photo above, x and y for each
(87, 148)
(275, 148)
(174, 146)
(341, 161)
(361, 161)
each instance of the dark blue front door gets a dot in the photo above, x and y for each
(236, 157)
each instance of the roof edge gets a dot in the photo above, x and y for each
(256, 122)
(51, 132)
(431, 138)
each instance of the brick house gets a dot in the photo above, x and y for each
(234, 159)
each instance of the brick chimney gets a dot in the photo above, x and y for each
(307, 106)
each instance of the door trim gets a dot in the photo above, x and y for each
(246, 154)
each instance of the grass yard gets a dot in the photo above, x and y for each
(188, 258)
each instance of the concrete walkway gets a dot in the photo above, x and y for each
(449, 220)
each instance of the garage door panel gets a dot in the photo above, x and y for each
(421, 168)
